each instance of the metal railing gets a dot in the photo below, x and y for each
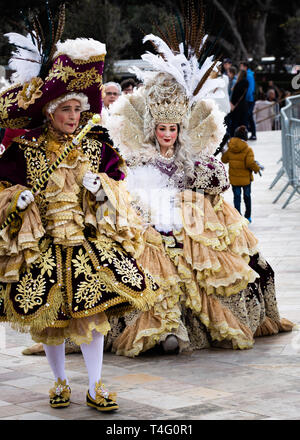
(290, 138)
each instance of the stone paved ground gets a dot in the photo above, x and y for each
(257, 384)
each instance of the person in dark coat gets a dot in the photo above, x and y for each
(238, 114)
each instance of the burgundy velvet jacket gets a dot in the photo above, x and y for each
(13, 163)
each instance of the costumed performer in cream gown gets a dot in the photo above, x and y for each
(217, 286)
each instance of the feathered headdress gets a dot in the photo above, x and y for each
(179, 78)
(34, 52)
(48, 72)
(182, 52)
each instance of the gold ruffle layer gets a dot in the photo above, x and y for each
(164, 317)
(78, 331)
(213, 263)
(20, 247)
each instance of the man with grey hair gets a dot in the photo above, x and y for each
(112, 92)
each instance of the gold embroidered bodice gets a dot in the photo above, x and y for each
(40, 155)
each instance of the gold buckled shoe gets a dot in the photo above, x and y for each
(104, 401)
(60, 394)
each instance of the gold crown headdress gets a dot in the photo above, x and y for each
(169, 113)
(165, 99)
(185, 60)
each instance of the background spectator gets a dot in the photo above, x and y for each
(264, 113)
(278, 92)
(112, 92)
(227, 63)
(238, 104)
(240, 158)
(232, 75)
(128, 85)
(250, 98)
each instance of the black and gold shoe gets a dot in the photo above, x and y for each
(104, 401)
(60, 394)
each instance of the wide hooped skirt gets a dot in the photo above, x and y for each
(70, 291)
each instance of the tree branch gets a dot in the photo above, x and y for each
(233, 25)
(229, 47)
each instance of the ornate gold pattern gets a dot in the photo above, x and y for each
(81, 81)
(92, 149)
(37, 165)
(105, 248)
(15, 123)
(169, 112)
(92, 59)
(60, 389)
(102, 394)
(30, 92)
(90, 291)
(81, 268)
(46, 262)
(128, 271)
(5, 103)
(30, 291)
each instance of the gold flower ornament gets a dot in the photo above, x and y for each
(30, 92)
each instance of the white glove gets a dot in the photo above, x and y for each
(2, 149)
(25, 198)
(91, 182)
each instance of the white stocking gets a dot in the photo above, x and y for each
(93, 357)
(56, 358)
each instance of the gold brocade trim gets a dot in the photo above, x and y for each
(21, 122)
(92, 59)
(84, 118)
(102, 328)
(170, 315)
(69, 287)
(44, 317)
(59, 323)
(222, 331)
(60, 281)
(6, 102)
(30, 93)
(15, 86)
(119, 311)
(79, 81)
(92, 149)
(35, 142)
(4, 185)
(125, 291)
(141, 301)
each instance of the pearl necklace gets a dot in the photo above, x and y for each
(166, 159)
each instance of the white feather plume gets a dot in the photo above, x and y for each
(4, 83)
(26, 59)
(185, 71)
(152, 192)
(80, 48)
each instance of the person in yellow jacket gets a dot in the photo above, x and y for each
(242, 164)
